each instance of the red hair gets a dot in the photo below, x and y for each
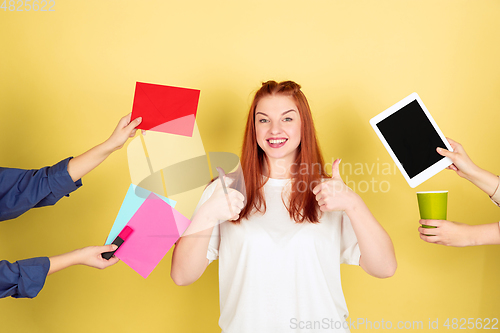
(302, 204)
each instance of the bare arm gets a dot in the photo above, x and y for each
(189, 259)
(459, 234)
(377, 252)
(86, 162)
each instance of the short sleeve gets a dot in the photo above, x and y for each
(496, 196)
(349, 248)
(213, 246)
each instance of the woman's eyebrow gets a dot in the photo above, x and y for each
(281, 114)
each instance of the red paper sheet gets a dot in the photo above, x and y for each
(165, 109)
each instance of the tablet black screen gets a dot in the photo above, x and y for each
(412, 138)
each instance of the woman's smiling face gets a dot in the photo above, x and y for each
(278, 126)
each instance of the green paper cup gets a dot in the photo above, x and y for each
(432, 205)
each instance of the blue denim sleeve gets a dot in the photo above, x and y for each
(24, 278)
(21, 190)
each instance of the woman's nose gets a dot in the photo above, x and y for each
(276, 128)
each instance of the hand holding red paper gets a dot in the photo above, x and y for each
(124, 130)
(333, 194)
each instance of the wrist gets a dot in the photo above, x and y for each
(77, 257)
(202, 220)
(496, 188)
(485, 180)
(207, 213)
(355, 202)
(473, 235)
(475, 174)
(63, 261)
(107, 148)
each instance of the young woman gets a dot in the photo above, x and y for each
(459, 234)
(280, 254)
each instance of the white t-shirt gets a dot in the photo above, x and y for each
(276, 275)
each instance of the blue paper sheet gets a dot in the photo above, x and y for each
(134, 198)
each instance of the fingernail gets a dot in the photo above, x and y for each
(139, 119)
(114, 246)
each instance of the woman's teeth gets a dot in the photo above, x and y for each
(277, 141)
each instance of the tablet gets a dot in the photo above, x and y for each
(411, 137)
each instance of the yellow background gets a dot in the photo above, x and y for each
(66, 77)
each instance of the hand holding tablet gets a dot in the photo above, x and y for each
(411, 136)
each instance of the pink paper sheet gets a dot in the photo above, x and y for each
(157, 226)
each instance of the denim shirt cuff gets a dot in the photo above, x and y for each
(60, 181)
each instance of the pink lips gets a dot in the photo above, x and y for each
(276, 145)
